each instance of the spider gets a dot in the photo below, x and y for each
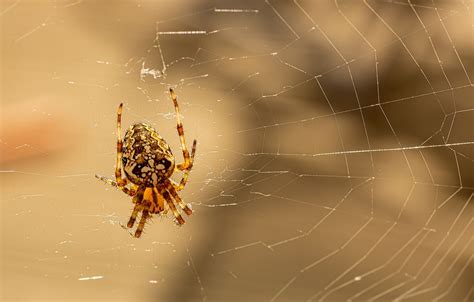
(148, 163)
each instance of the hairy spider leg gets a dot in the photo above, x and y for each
(170, 202)
(106, 180)
(118, 166)
(187, 160)
(158, 203)
(133, 217)
(171, 189)
(154, 206)
(129, 191)
(119, 182)
(141, 224)
(184, 179)
(137, 200)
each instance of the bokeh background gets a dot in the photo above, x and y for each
(335, 149)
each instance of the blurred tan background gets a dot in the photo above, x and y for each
(334, 160)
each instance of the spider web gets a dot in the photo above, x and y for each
(334, 161)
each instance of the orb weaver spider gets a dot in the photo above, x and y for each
(148, 163)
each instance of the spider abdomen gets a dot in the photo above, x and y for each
(147, 158)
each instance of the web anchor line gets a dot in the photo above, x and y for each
(362, 151)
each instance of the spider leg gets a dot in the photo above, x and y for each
(184, 179)
(188, 161)
(141, 224)
(119, 182)
(118, 166)
(108, 181)
(170, 188)
(158, 202)
(137, 200)
(129, 191)
(170, 202)
(132, 219)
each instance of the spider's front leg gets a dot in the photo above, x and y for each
(118, 165)
(119, 182)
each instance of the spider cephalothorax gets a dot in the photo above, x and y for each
(148, 163)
